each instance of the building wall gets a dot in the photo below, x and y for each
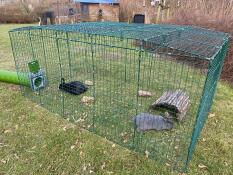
(128, 8)
(109, 13)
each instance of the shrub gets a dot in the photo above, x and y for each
(22, 11)
(213, 14)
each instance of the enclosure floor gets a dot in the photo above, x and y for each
(116, 103)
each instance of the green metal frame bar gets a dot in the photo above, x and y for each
(207, 99)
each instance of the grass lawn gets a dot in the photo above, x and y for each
(35, 141)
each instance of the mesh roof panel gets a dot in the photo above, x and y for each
(197, 41)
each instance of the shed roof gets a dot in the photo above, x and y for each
(98, 1)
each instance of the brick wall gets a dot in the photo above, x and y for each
(109, 13)
(128, 8)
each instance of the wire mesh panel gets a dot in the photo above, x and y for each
(146, 87)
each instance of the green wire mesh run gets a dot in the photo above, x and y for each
(116, 61)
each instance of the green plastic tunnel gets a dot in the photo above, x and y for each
(14, 77)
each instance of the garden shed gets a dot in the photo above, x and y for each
(98, 10)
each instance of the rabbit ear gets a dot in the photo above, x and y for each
(62, 80)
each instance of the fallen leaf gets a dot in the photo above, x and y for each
(3, 161)
(87, 100)
(81, 153)
(34, 147)
(142, 93)
(3, 145)
(225, 163)
(201, 166)
(103, 166)
(147, 153)
(88, 83)
(16, 127)
(211, 115)
(84, 168)
(7, 131)
(79, 120)
(16, 156)
(64, 128)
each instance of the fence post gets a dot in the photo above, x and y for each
(94, 83)
(138, 86)
(61, 75)
(207, 99)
